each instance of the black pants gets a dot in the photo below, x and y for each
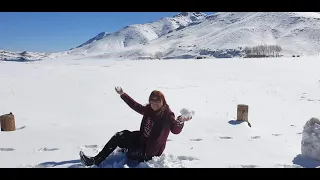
(125, 139)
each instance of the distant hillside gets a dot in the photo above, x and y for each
(193, 34)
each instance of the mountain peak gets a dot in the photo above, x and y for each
(188, 14)
(96, 38)
(194, 16)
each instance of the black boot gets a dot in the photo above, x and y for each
(87, 161)
(97, 161)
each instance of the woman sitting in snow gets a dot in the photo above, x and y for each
(157, 122)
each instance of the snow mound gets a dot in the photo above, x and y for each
(118, 159)
(310, 145)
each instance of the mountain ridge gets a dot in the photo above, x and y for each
(195, 34)
(295, 32)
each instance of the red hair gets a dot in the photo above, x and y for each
(159, 95)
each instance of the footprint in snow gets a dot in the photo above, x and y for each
(106, 66)
(47, 149)
(276, 134)
(187, 158)
(197, 139)
(6, 149)
(90, 146)
(226, 137)
(255, 137)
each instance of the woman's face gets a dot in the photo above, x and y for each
(156, 103)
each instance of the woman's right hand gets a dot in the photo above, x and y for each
(119, 90)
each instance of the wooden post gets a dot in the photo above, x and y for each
(7, 122)
(242, 113)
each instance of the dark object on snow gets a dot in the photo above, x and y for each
(249, 124)
(7, 122)
(242, 113)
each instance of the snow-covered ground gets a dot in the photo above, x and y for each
(63, 106)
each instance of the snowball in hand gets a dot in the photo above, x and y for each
(187, 113)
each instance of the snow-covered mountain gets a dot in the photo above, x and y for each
(138, 34)
(22, 56)
(192, 34)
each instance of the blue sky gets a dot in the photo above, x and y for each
(59, 31)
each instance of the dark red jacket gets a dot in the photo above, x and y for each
(154, 130)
